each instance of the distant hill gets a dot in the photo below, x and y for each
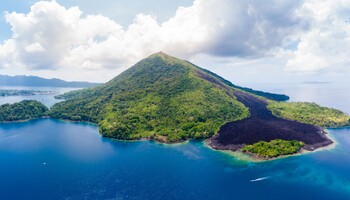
(42, 82)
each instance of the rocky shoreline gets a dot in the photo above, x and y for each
(262, 125)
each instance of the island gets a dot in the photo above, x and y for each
(170, 100)
(24, 110)
(5, 93)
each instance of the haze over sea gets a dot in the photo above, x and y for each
(51, 159)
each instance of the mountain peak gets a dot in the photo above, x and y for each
(164, 56)
(160, 53)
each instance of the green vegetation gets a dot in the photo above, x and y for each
(309, 113)
(274, 148)
(161, 98)
(24, 110)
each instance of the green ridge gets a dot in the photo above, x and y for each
(310, 113)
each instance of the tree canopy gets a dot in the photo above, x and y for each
(24, 110)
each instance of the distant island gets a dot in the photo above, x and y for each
(316, 82)
(36, 81)
(170, 100)
(4, 93)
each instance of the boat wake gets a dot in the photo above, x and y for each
(259, 179)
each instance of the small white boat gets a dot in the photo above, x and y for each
(259, 179)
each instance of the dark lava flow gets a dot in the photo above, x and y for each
(262, 125)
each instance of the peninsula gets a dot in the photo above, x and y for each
(262, 125)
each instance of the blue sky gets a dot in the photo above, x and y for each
(10, 6)
(244, 41)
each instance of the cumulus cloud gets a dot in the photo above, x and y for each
(325, 46)
(231, 27)
(52, 37)
(50, 34)
(32, 48)
(8, 55)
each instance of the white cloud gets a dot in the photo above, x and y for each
(325, 46)
(48, 29)
(52, 37)
(7, 54)
(231, 27)
(36, 47)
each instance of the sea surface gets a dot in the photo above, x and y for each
(47, 99)
(52, 159)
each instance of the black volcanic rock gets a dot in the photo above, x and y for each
(263, 126)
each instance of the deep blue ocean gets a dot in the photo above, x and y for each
(52, 159)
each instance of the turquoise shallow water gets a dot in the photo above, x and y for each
(51, 159)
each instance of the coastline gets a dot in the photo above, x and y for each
(249, 157)
(262, 125)
(237, 153)
(148, 140)
(162, 142)
(24, 120)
